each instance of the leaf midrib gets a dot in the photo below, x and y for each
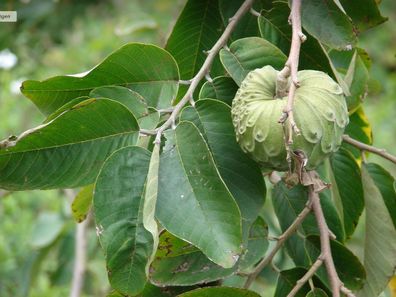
(66, 144)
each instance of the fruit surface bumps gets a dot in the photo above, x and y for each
(320, 112)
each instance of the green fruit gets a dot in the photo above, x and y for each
(320, 112)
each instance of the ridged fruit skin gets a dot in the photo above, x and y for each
(320, 112)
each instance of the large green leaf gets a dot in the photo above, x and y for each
(118, 206)
(247, 54)
(194, 203)
(69, 150)
(349, 268)
(364, 13)
(197, 29)
(287, 280)
(222, 88)
(241, 175)
(288, 203)
(347, 189)
(144, 68)
(386, 185)
(275, 28)
(178, 263)
(380, 239)
(220, 292)
(326, 22)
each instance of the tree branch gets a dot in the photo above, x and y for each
(365, 147)
(291, 69)
(205, 69)
(292, 228)
(80, 259)
(80, 252)
(315, 266)
(325, 235)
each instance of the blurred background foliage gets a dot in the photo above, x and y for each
(54, 37)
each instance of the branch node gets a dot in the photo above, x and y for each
(231, 19)
(302, 36)
(254, 12)
(192, 102)
(296, 83)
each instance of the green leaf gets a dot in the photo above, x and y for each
(118, 206)
(275, 28)
(150, 200)
(220, 292)
(358, 128)
(364, 14)
(197, 29)
(247, 25)
(347, 189)
(153, 291)
(194, 203)
(82, 203)
(151, 120)
(348, 266)
(327, 23)
(316, 293)
(242, 176)
(222, 88)
(46, 229)
(178, 263)
(380, 239)
(249, 53)
(133, 100)
(385, 184)
(147, 117)
(357, 79)
(68, 151)
(144, 68)
(287, 280)
(354, 65)
(256, 247)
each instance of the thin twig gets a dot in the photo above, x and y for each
(325, 235)
(291, 69)
(148, 132)
(80, 259)
(281, 239)
(166, 110)
(80, 252)
(205, 69)
(365, 147)
(307, 276)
